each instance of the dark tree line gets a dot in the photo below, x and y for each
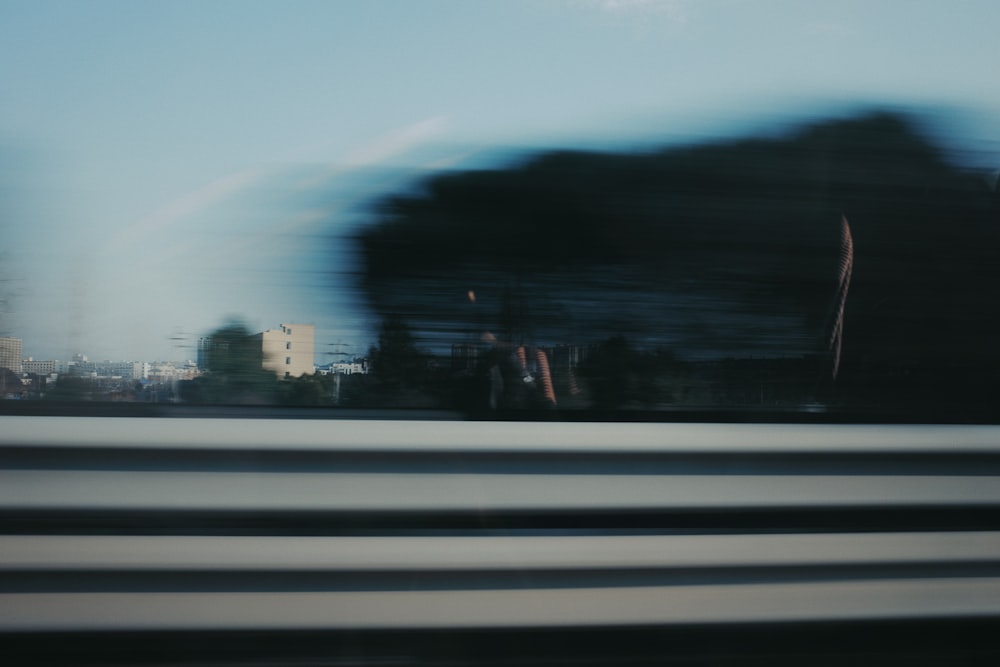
(233, 375)
(723, 250)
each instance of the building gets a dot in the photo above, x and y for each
(165, 372)
(289, 350)
(126, 370)
(204, 349)
(122, 370)
(38, 367)
(10, 354)
(357, 367)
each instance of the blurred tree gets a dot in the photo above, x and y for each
(396, 361)
(311, 390)
(71, 388)
(723, 250)
(232, 350)
(619, 376)
(356, 391)
(402, 377)
(234, 372)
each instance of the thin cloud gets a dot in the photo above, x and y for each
(397, 142)
(674, 10)
(384, 148)
(381, 150)
(185, 206)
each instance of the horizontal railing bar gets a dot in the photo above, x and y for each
(68, 552)
(523, 608)
(225, 581)
(49, 489)
(394, 436)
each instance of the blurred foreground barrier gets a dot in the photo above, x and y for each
(215, 541)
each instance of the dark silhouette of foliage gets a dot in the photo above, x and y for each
(723, 250)
(234, 374)
(614, 372)
(71, 388)
(10, 383)
(396, 360)
(232, 350)
(619, 376)
(401, 374)
(307, 390)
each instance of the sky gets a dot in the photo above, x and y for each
(166, 166)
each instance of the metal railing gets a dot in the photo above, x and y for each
(215, 541)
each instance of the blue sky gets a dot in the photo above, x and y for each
(164, 165)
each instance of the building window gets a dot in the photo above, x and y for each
(287, 375)
(288, 332)
(288, 360)
(288, 345)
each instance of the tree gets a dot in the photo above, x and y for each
(396, 361)
(619, 376)
(232, 350)
(234, 374)
(723, 250)
(71, 388)
(311, 389)
(400, 369)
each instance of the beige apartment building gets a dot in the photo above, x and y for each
(10, 354)
(288, 350)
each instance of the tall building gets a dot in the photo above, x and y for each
(204, 345)
(288, 351)
(10, 354)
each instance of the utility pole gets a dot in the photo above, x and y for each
(336, 375)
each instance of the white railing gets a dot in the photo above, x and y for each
(220, 526)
